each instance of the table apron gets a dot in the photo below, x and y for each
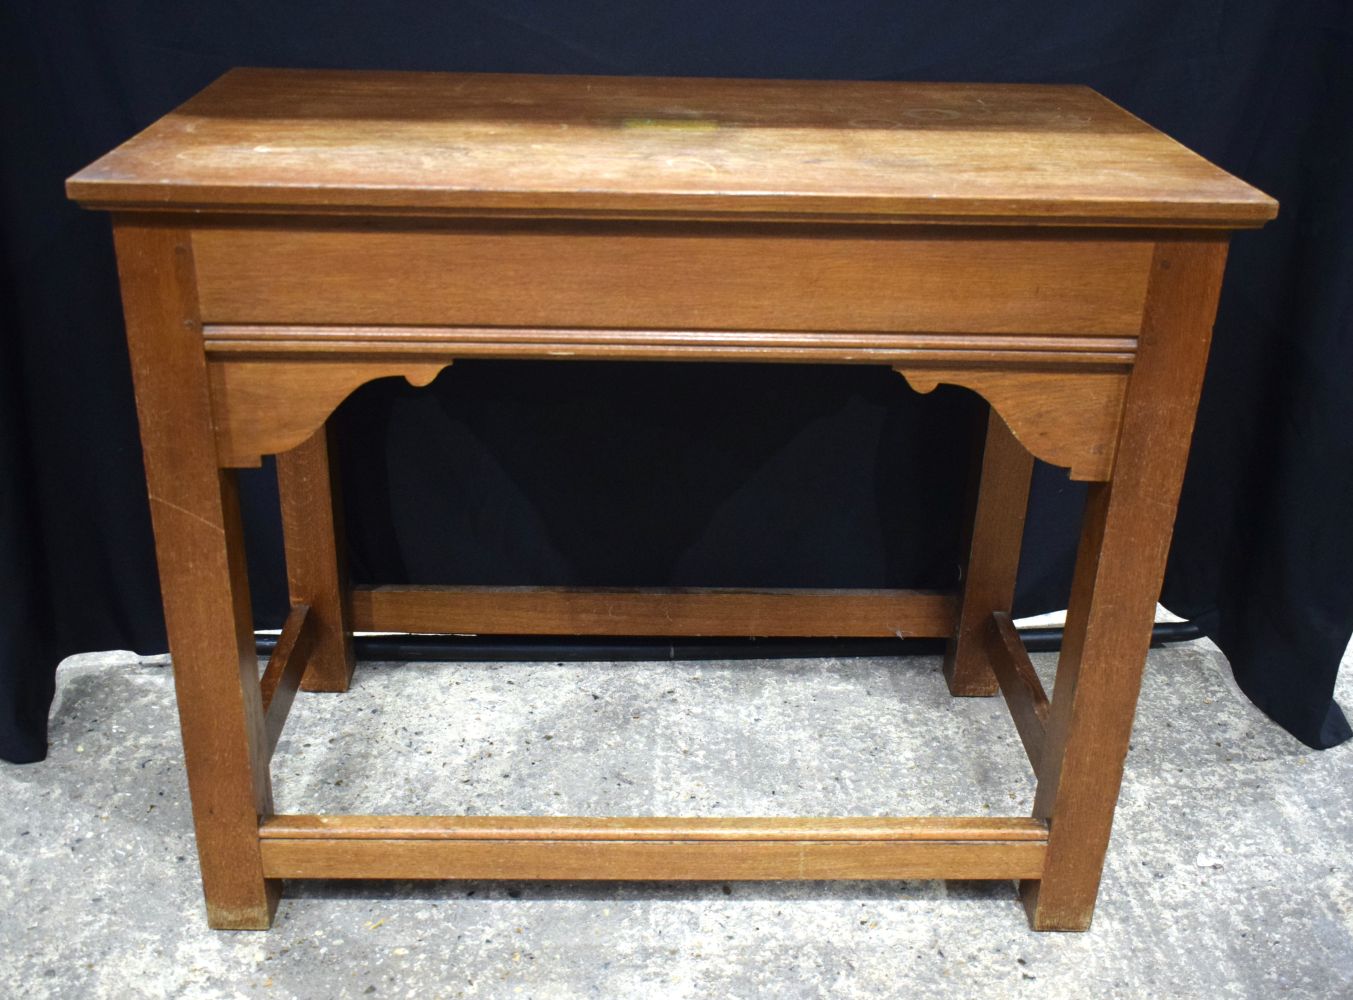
(297, 315)
(759, 278)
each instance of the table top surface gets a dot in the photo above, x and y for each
(615, 147)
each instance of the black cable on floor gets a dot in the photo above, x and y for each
(438, 648)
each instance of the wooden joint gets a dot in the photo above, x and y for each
(268, 406)
(547, 847)
(282, 677)
(1067, 417)
(1023, 691)
(639, 612)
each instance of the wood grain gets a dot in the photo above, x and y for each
(317, 573)
(991, 546)
(846, 278)
(534, 847)
(641, 612)
(270, 407)
(1023, 691)
(1124, 541)
(628, 861)
(256, 342)
(273, 387)
(304, 140)
(666, 828)
(199, 544)
(282, 676)
(1069, 419)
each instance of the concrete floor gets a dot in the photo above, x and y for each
(1229, 875)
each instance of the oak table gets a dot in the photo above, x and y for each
(286, 236)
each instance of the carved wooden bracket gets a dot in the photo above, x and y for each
(266, 407)
(1066, 418)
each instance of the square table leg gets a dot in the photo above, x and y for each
(991, 544)
(312, 530)
(1125, 538)
(200, 549)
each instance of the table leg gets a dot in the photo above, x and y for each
(1124, 542)
(200, 548)
(316, 565)
(992, 546)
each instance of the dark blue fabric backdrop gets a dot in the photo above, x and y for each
(701, 474)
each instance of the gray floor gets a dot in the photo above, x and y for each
(1229, 875)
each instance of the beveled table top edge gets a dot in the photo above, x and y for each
(509, 145)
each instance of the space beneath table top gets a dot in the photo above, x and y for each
(486, 144)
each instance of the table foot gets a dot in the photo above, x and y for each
(252, 911)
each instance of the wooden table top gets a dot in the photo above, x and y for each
(614, 147)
